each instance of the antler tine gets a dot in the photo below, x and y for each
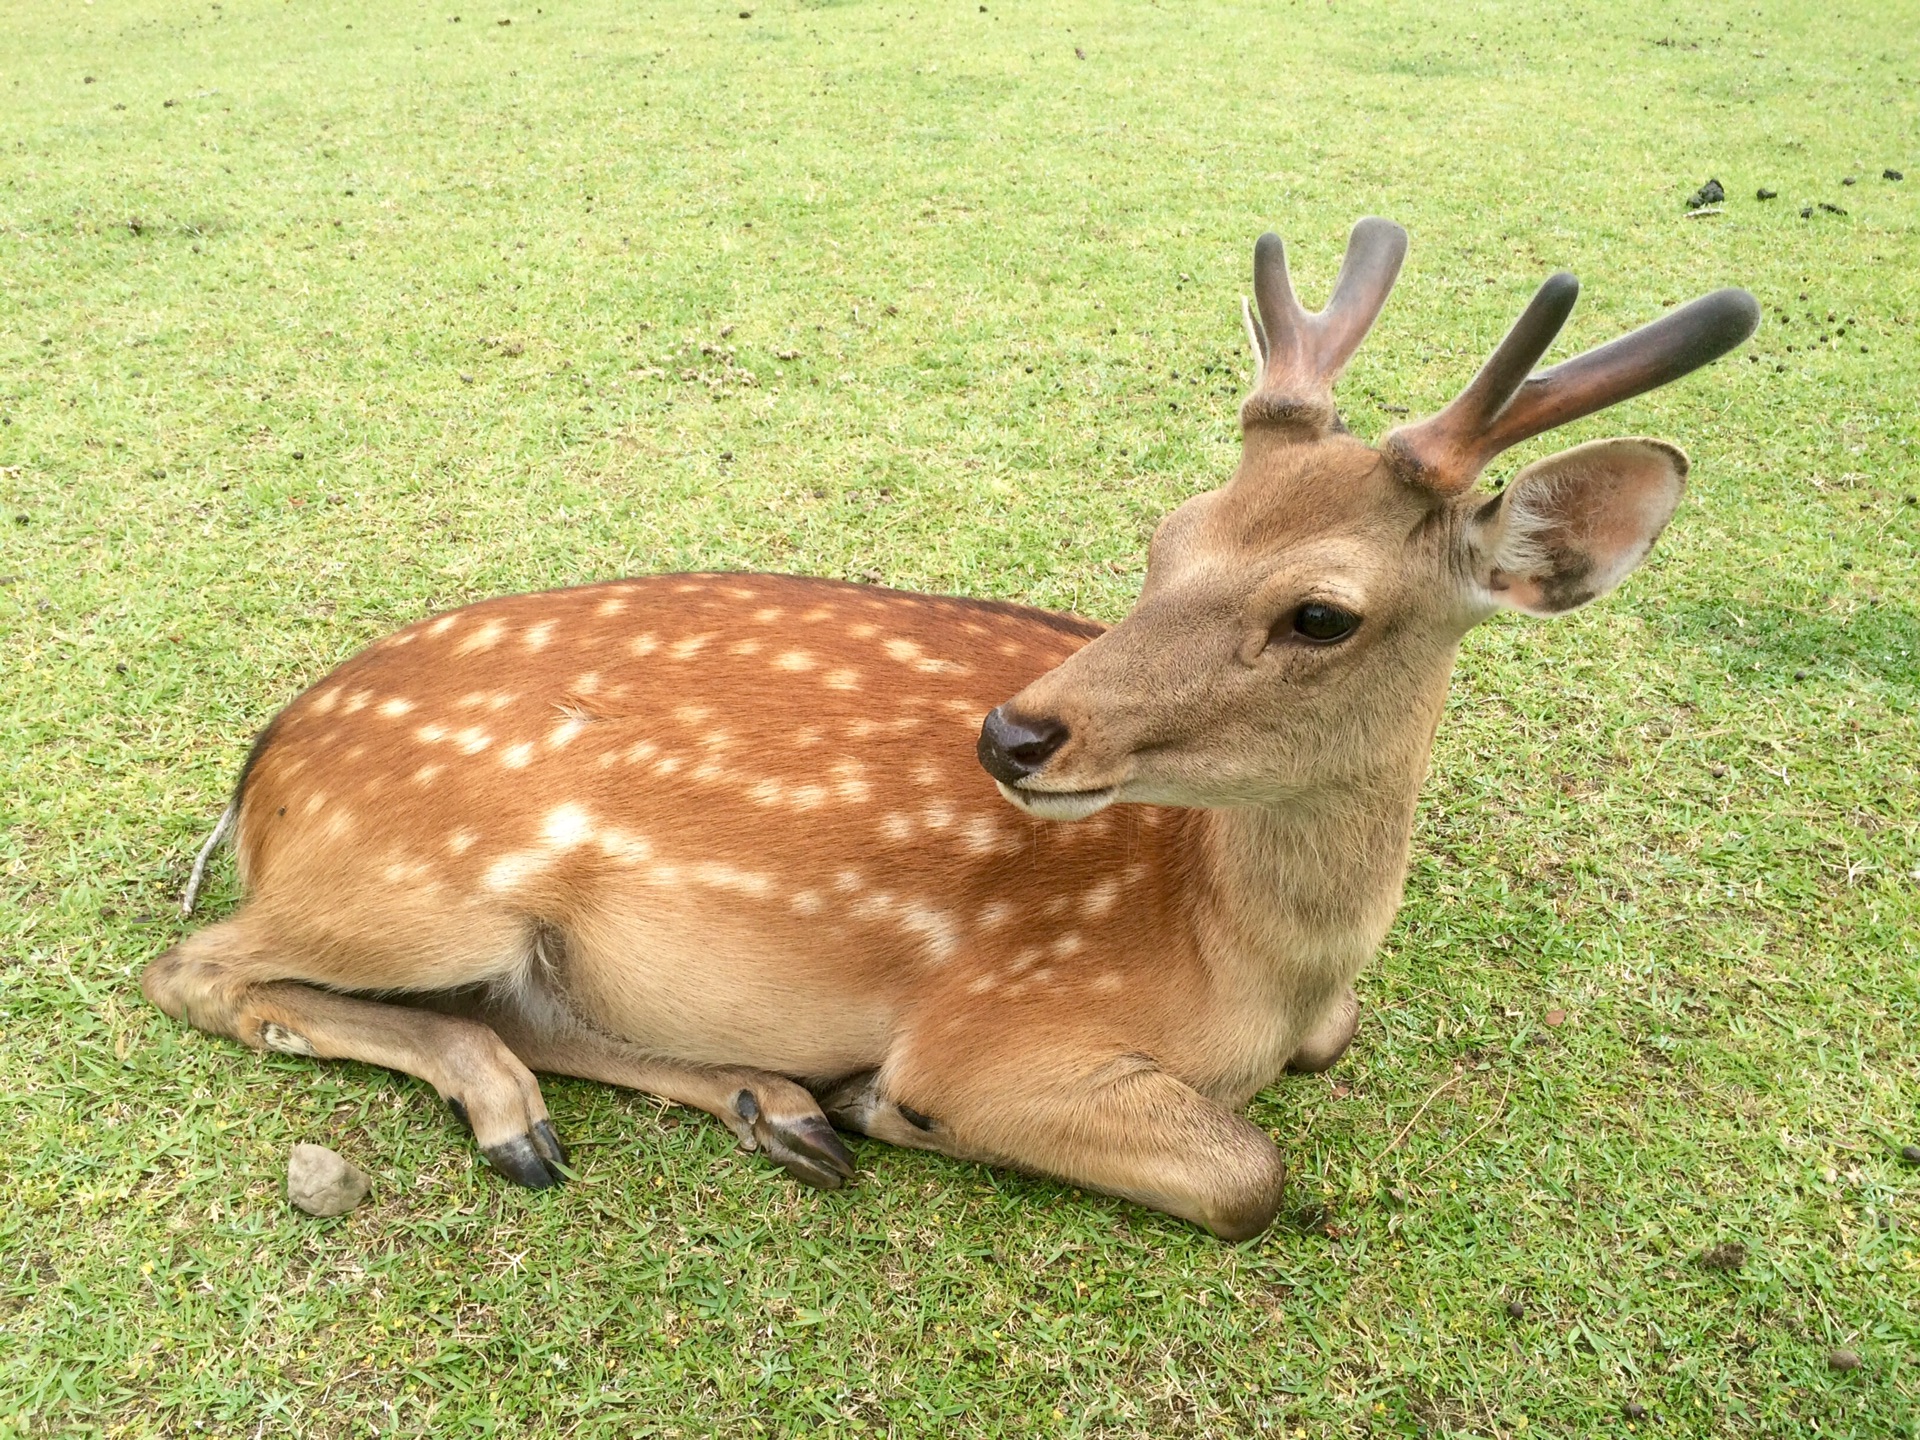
(1504, 405)
(1299, 354)
(1677, 344)
(1375, 251)
(1443, 450)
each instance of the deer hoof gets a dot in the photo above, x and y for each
(520, 1160)
(807, 1149)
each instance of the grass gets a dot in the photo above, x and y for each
(316, 317)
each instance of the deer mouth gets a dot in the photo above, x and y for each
(1059, 804)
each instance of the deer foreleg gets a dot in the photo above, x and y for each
(1123, 1126)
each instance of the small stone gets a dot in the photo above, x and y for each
(321, 1182)
(1765, 194)
(1634, 1410)
(1515, 1310)
(1910, 1153)
(1842, 1360)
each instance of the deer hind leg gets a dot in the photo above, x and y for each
(1125, 1127)
(238, 980)
(766, 1112)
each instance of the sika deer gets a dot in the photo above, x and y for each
(724, 838)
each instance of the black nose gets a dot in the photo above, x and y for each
(1011, 750)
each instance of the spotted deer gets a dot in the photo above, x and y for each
(745, 842)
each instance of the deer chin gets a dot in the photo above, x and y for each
(1059, 804)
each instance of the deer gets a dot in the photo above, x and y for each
(954, 874)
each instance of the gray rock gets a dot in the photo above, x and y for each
(323, 1183)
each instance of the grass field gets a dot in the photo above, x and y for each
(314, 318)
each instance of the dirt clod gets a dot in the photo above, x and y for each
(1729, 1256)
(1711, 193)
(1515, 1310)
(1842, 1360)
(322, 1182)
(1910, 1153)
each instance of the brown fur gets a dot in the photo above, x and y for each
(723, 837)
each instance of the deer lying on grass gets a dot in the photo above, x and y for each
(725, 838)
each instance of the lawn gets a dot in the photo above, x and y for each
(315, 318)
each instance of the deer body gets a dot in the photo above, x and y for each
(731, 838)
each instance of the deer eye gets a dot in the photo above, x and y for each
(1323, 624)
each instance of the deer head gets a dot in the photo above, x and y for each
(1298, 625)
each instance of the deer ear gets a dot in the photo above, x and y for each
(1569, 528)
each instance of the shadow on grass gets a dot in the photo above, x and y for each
(1880, 638)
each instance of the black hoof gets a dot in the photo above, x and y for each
(547, 1142)
(808, 1150)
(520, 1162)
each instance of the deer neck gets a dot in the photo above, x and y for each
(1296, 895)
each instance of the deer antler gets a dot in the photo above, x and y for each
(1507, 403)
(1298, 355)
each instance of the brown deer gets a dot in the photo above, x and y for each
(725, 838)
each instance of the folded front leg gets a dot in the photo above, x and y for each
(1118, 1124)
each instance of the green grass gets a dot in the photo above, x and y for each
(315, 318)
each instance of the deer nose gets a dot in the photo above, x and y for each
(1011, 750)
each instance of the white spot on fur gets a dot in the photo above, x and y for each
(443, 624)
(535, 637)
(611, 606)
(324, 702)
(925, 773)
(393, 709)
(510, 871)
(567, 826)
(807, 902)
(729, 878)
(432, 734)
(586, 684)
(426, 773)
(517, 757)
(796, 661)
(1100, 899)
(688, 648)
(563, 735)
(767, 616)
(1107, 980)
(981, 836)
(937, 816)
(746, 647)
(936, 927)
(766, 792)
(806, 797)
(895, 826)
(485, 638)
(641, 750)
(1069, 944)
(994, 913)
(624, 846)
(473, 740)
(841, 679)
(643, 644)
